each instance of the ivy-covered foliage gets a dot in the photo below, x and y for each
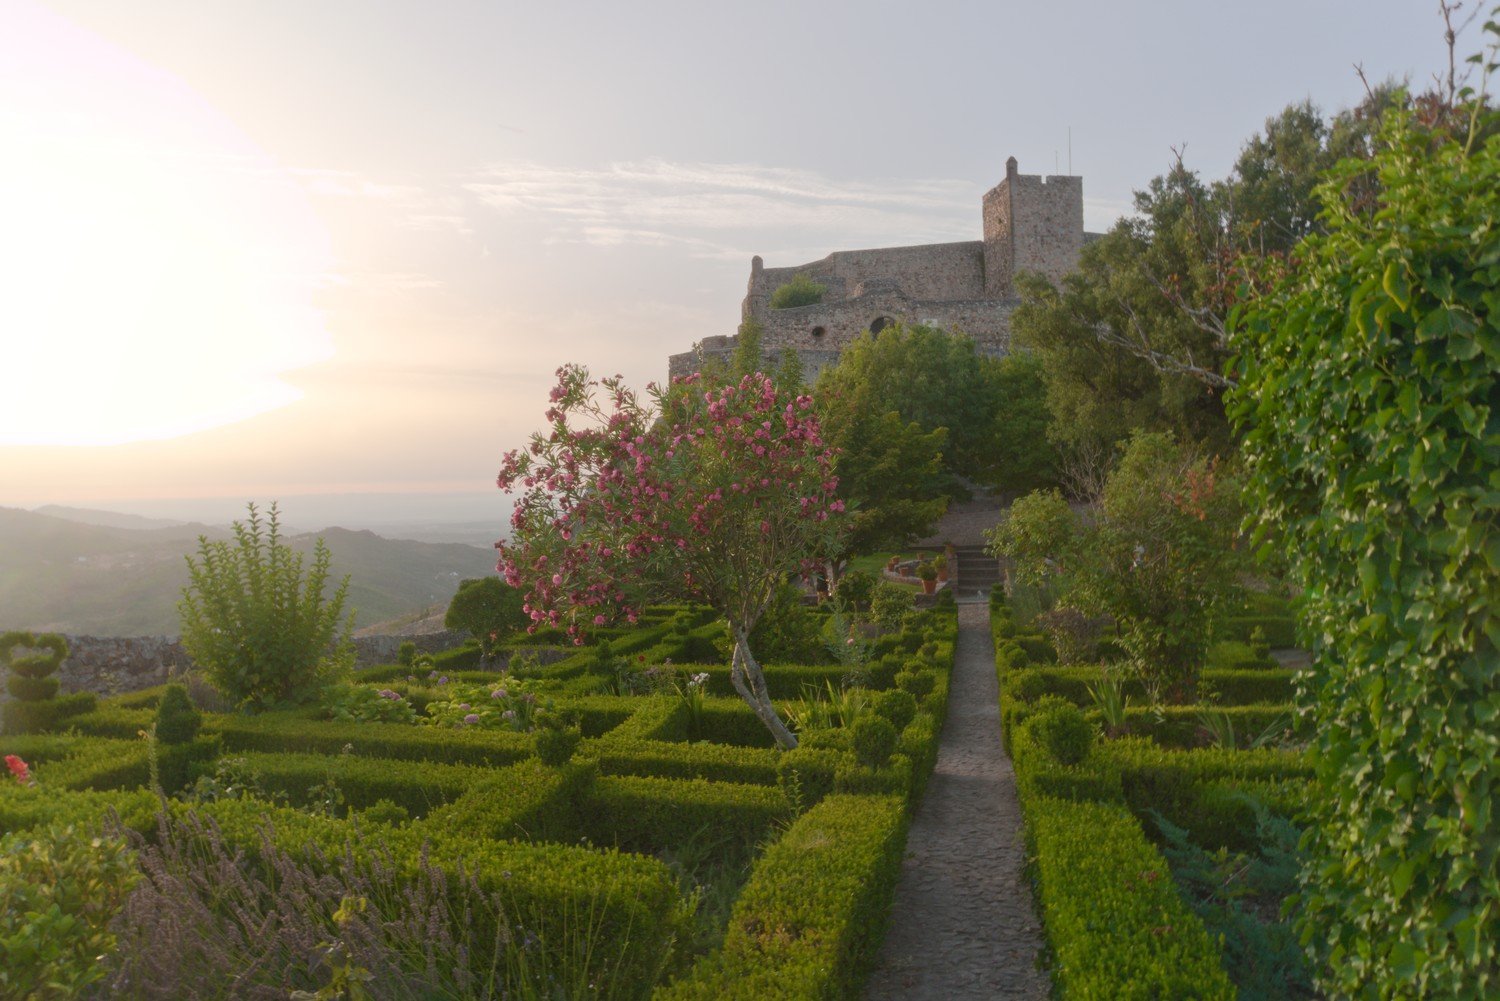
(1369, 402)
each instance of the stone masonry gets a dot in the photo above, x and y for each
(1030, 223)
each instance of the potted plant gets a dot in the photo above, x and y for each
(940, 562)
(928, 573)
(890, 564)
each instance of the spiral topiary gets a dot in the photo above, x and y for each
(31, 672)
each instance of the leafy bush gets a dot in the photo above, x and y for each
(506, 704)
(874, 741)
(800, 291)
(637, 813)
(890, 604)
(857, 588)
(366, 704)
(488, 609)
(898, 706)
(1063, 732)
(62, 886)
(177, 722)
(406, 653)
(262, 631)
(1368, 389)
(918, 683)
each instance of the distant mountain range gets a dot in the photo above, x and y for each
(107, 574)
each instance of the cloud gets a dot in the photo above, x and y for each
(724, 209)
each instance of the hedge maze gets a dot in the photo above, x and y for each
(675, 853)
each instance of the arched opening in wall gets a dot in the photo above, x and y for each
(880, 323)
(818, 331)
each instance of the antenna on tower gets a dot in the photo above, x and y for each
(1070, 151)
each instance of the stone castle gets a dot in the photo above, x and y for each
(1031, 223)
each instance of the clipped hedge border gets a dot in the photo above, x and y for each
(1117, 926)
(292, 731)
(527, 801)
(813, 914)
(416, 786)
(638, 813)
(629, 903)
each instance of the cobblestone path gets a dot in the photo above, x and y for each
(963, 925)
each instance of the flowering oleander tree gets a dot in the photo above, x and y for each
(706, 491)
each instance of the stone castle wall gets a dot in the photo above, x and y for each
(1030, 224)
(113, 665)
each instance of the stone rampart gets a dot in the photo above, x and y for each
(113, 665)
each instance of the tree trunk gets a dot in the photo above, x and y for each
(751, 684)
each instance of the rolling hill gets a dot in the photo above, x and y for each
(106, 580)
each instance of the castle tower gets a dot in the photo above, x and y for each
(1031, 223)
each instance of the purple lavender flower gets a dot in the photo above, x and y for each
(472, 718)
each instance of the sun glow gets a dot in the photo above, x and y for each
(159, 269)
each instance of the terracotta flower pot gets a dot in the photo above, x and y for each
(929, 586)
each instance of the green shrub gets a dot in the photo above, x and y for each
(40, 717)
(62, 886)
(367, 704)
(717, 762)
(800, 291)
(416, 786)
(555, 745)
(811, 917)
(891, 604)
(527, 801)
(1063, 733)
(1114, 920)
(918, 683)
(898, 706)
(292, 732)
(177, 722)
(874, 741)
(636, 813)
(488, 609)
(262, 631)
(406, 653)
(605, 918)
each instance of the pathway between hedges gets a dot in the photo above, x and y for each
(963, 925)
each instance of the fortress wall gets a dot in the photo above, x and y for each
(933, 271)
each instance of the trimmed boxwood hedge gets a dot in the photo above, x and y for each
(292, 731)
(416, 786)
(1117, 926)
(629, 904)
(527, 801)
(811, 917)
(663, 759)
(639, 813)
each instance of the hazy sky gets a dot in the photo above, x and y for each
(263, 248)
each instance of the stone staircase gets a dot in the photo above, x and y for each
(976, 573)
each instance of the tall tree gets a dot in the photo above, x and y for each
(927, 376)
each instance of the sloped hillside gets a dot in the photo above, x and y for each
(62, 575)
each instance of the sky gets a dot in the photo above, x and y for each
(271, 249)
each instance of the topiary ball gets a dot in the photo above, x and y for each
(898, 706)
(1063, 732)
(874, 741)
(177, 721)
(918, 683)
